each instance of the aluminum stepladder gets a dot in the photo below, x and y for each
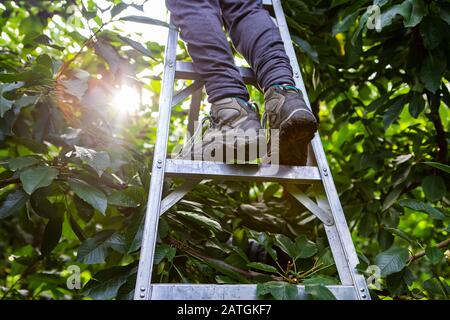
(327, 207)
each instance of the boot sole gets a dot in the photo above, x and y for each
(295, 134)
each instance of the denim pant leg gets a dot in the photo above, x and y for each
(200, 23)
(258, 39)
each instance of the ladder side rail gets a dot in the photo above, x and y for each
(143, 286)
(346, 242)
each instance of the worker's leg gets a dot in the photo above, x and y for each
(200, 23)
(258, 39)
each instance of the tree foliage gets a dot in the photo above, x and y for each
(74, 169)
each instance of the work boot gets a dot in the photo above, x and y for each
(234, 132)
(286, 111)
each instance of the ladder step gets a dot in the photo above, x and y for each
(217, 170)
(185, 70)
(230, 292)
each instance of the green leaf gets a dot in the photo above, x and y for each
(137, 46)
(43, 39)
(439, 166)
(89, 14)
(95, 249)
(418, 11)
(285, 244)
(37, 177)
(95, 197)
(98, 160)
(13, 202)
(5, 104)
(434, 187)
(278, 290)
(201, 219)
(76, 228)
(118, 8)
(391, 198)
(41, 206)
(31, 24)
(45, 60)
(264, 240)
(356, 39)
(85, 211)
(416, 105)
(397, 283)
(146, 20)
(392, 260)
(444, 12)
(394, 111)
(434, 255)
(305, 47)
(25, 101)
(52, 234)
(15, 164)
(432, 71)
(399, 233)
(126, 291)
(374, 105)
(262, 266)
(121, 199)
(321, 280)
(302, 248)
(104, 49)
(133, 234)
(75, 87)
(270, 191)
(422, 207)
(164, 251)
(388, 16)
(105, 284)
(431, 33)
(319, 292)
(345, 24)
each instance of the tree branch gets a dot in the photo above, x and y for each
(420, 254)
(184, 247)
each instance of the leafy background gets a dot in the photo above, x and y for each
(74, 171)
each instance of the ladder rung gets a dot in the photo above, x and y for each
(230, 292)
(185, 70)
(217, 170)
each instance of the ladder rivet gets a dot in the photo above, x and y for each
(362, 290)
(159, 161)
(159, 166)
(142, 288)
(325, 170)
(142, 295)
(364, 296)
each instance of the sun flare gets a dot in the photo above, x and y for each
(127, 99)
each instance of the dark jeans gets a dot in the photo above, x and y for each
(252, 32)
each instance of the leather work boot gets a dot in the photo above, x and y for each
(286, 111)
(233, 134)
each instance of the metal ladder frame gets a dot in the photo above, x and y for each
(328, 207)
